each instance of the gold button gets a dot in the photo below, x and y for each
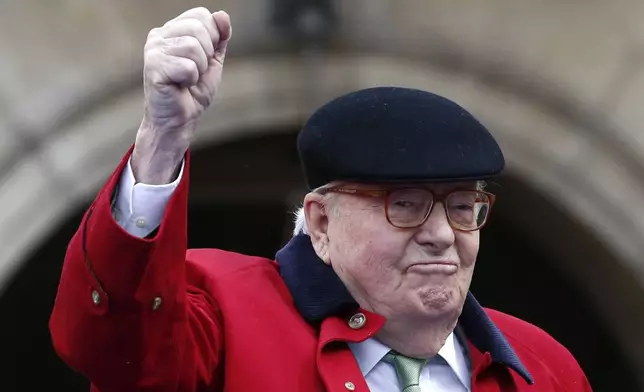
(349, 385)
(156, 304)
(96, 297)
(357, 321)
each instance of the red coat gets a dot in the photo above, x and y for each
(143, 315)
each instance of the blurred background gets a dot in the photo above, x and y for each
(560, 84)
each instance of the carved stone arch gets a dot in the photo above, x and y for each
(594, 182)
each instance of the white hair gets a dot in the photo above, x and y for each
(300, 217)
(300, 222)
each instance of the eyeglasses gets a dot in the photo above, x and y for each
(466, 210)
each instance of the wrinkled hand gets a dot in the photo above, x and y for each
(183, 63)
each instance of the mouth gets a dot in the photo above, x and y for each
(446, 267)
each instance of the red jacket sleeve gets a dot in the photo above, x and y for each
(124, 315)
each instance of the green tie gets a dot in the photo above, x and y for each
(408, 370)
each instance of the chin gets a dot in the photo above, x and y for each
(438, 301)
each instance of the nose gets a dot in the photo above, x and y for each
(436, 232)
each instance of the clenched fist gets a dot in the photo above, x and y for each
(183, 62)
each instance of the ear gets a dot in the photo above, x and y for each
(317, 223)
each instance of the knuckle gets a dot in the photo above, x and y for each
(202, 11)
(152, 57)
(203, 29)
(152, 43)
(186, 71)
(191, 67)
(184, 45)
(153, 33)
(152, 72)
(183, 66)
(192, 44)
(193, 25)
(186, 25)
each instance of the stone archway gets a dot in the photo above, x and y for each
(593, 181)
(559, 83)
(518, 271)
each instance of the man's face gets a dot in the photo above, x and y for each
(422, 272)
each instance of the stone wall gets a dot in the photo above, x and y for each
(560, 85)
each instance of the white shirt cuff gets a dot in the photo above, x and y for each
(139, 208)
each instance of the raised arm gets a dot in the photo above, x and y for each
(125, 315)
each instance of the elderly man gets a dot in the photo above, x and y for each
(371, 293)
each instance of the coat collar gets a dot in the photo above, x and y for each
(318, 293)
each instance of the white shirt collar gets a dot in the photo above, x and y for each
(368, 354)
(371, 351)
(454, 354)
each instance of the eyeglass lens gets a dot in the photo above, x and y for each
(465, 209)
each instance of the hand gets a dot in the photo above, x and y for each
(183, 63)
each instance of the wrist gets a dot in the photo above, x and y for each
(157, 154)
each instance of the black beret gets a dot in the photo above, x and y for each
(395, 134)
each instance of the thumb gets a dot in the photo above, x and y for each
(222, 20)
(220, 52)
